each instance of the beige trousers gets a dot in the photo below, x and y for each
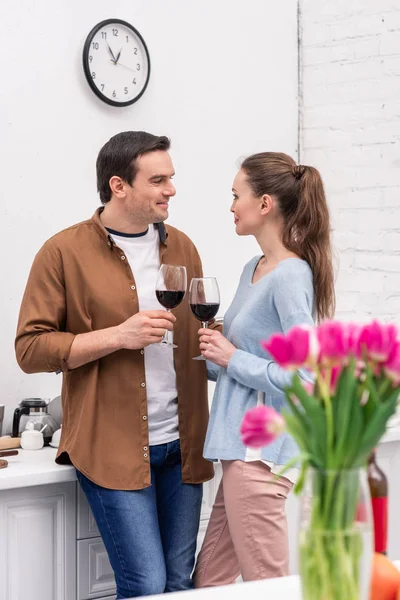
(247, 531)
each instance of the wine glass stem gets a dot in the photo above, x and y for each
(204, 324)
(165, 339)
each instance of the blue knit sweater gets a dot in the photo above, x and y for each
(274, 304)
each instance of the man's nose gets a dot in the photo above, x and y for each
(170, 190)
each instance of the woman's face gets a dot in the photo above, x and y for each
(246, 207)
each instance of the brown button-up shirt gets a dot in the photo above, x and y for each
(80, 283)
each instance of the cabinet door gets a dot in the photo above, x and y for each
(95, 575)
(38, 543)
(87, 527)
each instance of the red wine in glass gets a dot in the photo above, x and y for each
(170, 299)
(205, 312)
(204, 301)
(170, 291)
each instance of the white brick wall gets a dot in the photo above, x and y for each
(350, 130)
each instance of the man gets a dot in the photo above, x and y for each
(134, 411)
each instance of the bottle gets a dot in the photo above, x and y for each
(378, 486)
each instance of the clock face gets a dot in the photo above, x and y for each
(116, 62)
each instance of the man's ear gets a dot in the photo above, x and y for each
(117, 186)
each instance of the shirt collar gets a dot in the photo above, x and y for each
(162, 230)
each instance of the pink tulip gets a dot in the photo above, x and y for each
(333, 338)
(377, 340)
(293, 350)
(392, 366)
(261, 426)
(353, 334)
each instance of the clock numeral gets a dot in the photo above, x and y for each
(125, 90)
(102, 86)
(114, 94)
(115, 32)
(138, 67)
(95, 45)
(135, 51)
(93, 75)
(127, 39)
(134, 81)
(90, 58)
(104, 35)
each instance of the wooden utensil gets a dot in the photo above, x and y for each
(7, 443)
(9, 453)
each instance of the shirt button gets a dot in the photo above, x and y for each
(145, 448)
(122, 257)
(143, 384)
(133, 287)
(145, 455)
(142, 352)
(144, 418)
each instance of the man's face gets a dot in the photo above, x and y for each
(148, 197)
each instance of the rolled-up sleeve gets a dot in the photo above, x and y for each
(42, 344)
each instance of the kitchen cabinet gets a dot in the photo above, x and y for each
(38, 543)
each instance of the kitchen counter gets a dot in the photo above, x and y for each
(34, 467)
(38, 467)
(282, 588)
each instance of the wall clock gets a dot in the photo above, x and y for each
(116, 62)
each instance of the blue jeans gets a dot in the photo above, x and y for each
(150, 534)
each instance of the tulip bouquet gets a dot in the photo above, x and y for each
(336, 421)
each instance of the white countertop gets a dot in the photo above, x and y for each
(34, 467)
(38, 467)
(283, 588)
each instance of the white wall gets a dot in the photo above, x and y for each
(223, 84)
(351, 131)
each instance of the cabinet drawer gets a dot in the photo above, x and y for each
(95, 576)
(86, 526)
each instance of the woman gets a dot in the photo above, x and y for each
(284, 206)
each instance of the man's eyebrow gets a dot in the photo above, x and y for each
(162, 175)
(233, 190)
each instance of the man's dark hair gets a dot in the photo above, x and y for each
(118, 157)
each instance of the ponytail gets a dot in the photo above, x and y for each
(307, 233)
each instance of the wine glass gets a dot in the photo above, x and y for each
(204, 301)
(170, 291)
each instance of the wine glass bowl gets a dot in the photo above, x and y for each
(170, 291)
(204, 300)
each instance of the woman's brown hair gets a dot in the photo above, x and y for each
(301, 197)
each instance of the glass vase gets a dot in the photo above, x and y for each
(336, 535)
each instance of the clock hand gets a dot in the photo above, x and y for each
(118, 55)
(125, 67)
(112, 54)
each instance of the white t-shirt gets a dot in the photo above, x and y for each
(142, 252)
